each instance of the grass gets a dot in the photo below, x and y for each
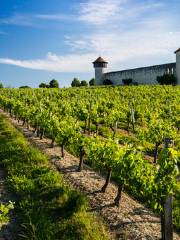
(45, 207)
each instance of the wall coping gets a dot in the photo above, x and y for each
(142, 68)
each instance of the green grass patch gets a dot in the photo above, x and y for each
(46, 208)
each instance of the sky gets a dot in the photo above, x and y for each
(41, 40)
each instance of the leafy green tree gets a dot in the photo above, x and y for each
(43, 85)
(127, 81)
(1, 85)
(107, 82)
(24, 87)
(166, 79)
(84, 83)
(75, 83)
(53, 84)
(92, 82)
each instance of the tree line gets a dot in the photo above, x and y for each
(77, 83)
(166, 79)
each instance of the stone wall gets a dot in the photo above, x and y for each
(144, 75)
(178, 67)
(99, 73)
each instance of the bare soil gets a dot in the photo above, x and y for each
(132, 220)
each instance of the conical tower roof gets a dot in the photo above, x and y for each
(100, 60)
(178, 50)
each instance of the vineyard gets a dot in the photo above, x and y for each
(44, 206)
(128, 134)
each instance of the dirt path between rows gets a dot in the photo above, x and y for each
(131, 221)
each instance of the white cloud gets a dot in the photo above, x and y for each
(128, 31)
(100, 11)
(3, 33)
(76, 44)
(18, 19)
(54, 63)
(106, 12)
(54, 17)
(95, 12)
(33, 20)
(126, 34)
(152, 41)
(135, 48)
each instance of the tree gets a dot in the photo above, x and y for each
(1, 85)
(53, 84)
(107, 82)
(24, 87)
(43, 85)
(166, 79)
(84, 83)
(75, 83)
(127, 81)
(92, 82)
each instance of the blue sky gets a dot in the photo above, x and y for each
(44, 39)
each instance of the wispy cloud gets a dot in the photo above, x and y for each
(100, 11)
(18, 19)
(104, 12)
(136, 48)
(96, 12)
(54, 17)
(54, 63)
(3, 33)
(33, 20)
(129, 33)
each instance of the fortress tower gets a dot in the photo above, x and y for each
(142, 75)
(100, 64)
(177, 52)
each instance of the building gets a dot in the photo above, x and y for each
(143, 75)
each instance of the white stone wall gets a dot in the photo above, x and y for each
(99, 72)
(146, 75)
(178, 67)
